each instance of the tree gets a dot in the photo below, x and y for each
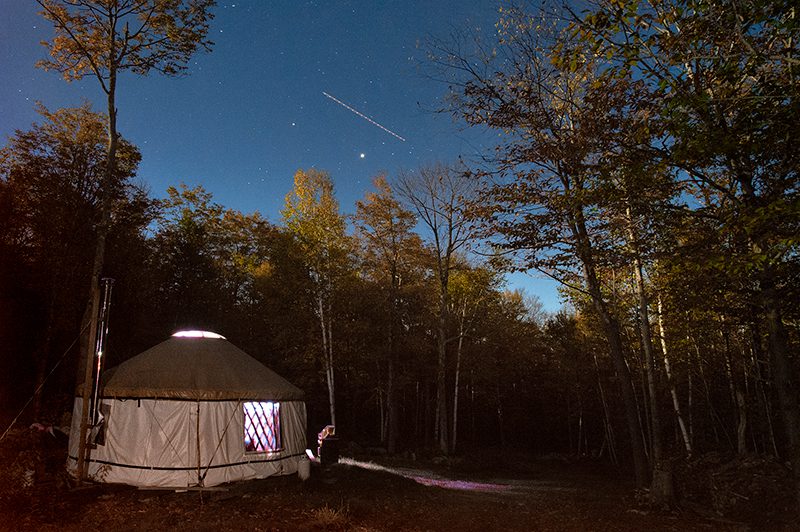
(187, 251)
(102, 39)
(52, 175)
(546, 203)
(311, 214)
(469, 290)
(503, 371)
(726, 77)
(390, 248)
(439, 195)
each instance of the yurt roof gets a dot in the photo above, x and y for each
(201, 366)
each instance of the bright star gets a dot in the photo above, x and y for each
(362, 155)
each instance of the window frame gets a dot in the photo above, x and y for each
(247, 419)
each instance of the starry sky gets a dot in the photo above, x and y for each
(336, 85)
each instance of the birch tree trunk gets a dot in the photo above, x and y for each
(453, 436)
(676, 406)
(391, 384)
(441, 391)
(327, 351)
(647, 344)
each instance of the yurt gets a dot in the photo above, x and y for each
(193, 411)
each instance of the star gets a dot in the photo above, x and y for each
(362, 155)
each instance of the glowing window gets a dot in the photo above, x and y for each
(262, 427)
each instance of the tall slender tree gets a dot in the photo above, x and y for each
(726, 76)
(469, 290)
(53, 174)
(101, 39)
(546, 203)
(311, 214)
(390, 246)
(440, 195)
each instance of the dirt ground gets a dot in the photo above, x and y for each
(371, 493)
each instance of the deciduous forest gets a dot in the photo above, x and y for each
(646, 157)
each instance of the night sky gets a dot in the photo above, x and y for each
(247, 115)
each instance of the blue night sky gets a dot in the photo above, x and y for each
(250, 113)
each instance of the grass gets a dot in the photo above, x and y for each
(330, 518)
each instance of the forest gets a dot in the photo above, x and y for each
(646, 158)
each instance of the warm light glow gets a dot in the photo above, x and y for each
(197, 334)
(429, 478)
(262, 427)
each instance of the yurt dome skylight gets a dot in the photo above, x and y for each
(197, 334)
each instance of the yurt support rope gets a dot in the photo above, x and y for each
(44, 381)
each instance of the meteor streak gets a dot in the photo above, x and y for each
(365, 117)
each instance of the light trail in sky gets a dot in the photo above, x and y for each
(365, 117)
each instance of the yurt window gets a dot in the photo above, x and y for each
(262, 427)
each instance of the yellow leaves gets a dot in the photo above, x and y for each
(311, 213)
(92, 39)
(264, 270)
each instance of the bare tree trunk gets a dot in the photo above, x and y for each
(327, 354)
(661, 486)
(500, 425)
(99, 260)
(439, 196)
(472, 404)
(381, 415)
(609, 429)
(612, 333)
(714, 417)
(650, 369)
(391, 411)
(94, 308)
(785, 383)
(689, 405)
(676, 406)
(430, 436)
(737, 395)
(757, 361)
(391, 385)
(441, 391)
(570, 435)
(741, 428)
(458, 374)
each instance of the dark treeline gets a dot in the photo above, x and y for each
(647, 158)
(188, 262)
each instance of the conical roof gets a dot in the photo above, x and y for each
(208, 368)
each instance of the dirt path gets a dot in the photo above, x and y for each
(551, 497)
(357, 495)
(499, 486)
